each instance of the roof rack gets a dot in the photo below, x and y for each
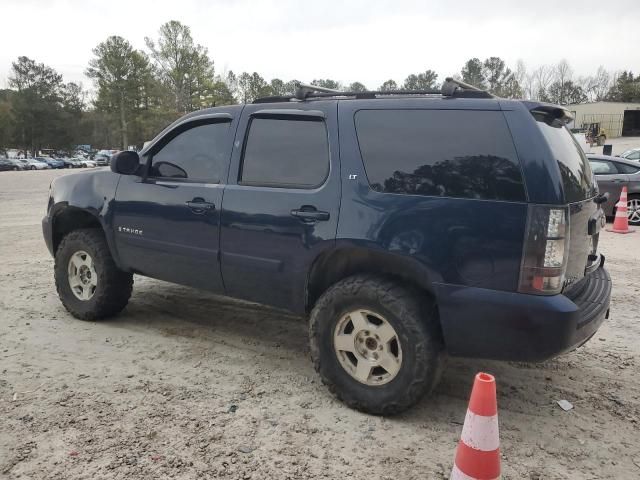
(450, 88)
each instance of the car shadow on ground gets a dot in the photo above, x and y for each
(187, 313)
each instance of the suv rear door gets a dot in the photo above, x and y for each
(282, 201)
(167, 219)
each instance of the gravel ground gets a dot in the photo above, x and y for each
(185, 384)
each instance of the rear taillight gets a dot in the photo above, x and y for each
(545, 252)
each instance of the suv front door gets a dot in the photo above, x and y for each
(282, 201)
(167, 221)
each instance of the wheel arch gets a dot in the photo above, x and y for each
(341, 262)
(66, 218)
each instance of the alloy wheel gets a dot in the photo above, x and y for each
(83, 278)
(633, 210)
(367, 347)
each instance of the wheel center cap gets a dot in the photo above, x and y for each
(85, 274)
(371, 343)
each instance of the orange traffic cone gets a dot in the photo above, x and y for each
(621, 220)
(478, 453)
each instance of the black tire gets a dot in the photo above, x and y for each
(113, 287)
(33, 167)
(414, 318)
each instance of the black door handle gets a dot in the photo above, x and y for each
(198, 205)
(309, 214)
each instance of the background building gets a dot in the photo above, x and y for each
(618, 119)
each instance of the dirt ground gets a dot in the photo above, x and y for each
(186, 385)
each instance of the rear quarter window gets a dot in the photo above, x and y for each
(445, 153)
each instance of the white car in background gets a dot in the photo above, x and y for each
(34, 164)
(633, 154)
(85, 162)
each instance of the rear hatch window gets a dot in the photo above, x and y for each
(577, 178)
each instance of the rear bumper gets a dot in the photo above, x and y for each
(490, 324)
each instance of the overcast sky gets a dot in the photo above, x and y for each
(369, 41)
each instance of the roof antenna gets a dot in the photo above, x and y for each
(304, 90)
(450, 86)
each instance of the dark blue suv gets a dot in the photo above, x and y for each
(407, 226)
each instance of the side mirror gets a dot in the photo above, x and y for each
(126, 162)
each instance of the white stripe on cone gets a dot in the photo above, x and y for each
(621, 213)
(480, 432)
(457, 474)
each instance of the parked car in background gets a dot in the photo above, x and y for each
(20, 164)
(52, 162)
(35, 164)
(613, 173)
(632, 154)
(71, 163)
(85, 162)
(101, 160)
(6, 164)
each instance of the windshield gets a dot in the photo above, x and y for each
(577, 177)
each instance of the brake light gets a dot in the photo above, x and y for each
(545, 253)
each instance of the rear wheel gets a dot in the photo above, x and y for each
(89, 284)
(633, 209)
(376, 343)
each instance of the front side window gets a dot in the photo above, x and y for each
(448, 153)
(198, 154)
(602, 167)
(285, 153)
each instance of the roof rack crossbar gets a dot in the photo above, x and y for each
(450, 87)
(304, 90)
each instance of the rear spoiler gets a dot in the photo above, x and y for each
(549, 113)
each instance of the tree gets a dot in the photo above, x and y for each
(278, 87)
(625, 88)
(327, 83)
(291, 86)
(356, 87)
(566, 93)
(36, 106)
(184, 66)
(252, 86)
(422, 81)
(500, 80)
(473, 73)
(388, 85)
(544, 78)
(7, 120)
(123, 78)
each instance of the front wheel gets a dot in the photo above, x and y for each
(33, 168)
(376, 343)
(89, 284)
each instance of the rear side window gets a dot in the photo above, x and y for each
(575, 171)
(628, 169)
(286, 153)
(448, 153)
